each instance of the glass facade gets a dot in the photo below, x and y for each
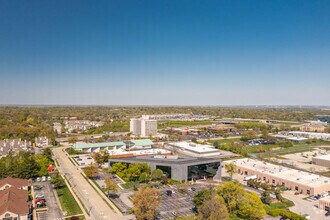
(166, 170)
(203, 170)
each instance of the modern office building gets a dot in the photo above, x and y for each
(143, 126)
(323, 160)
(300, 181)
(178, 168)
(197, 150)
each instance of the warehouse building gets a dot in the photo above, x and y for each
(300, 181)
(323, 160)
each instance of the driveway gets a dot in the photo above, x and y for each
(305, 206)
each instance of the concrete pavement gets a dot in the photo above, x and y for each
(96, 206)
(303, 206)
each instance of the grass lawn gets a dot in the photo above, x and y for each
(68, 203)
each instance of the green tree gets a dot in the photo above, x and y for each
(251, 207)
(213, 209)
(144, 177)
(48, 153)
(157, 174)
(118, 167)
(248, 135)
(110, 186)
(91, 171)
(232, 193)
(265, 197)
(201, 196)
(98, 158)
(57, 181)
(231, 169)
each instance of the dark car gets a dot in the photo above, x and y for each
(327, 214)
(37, 188)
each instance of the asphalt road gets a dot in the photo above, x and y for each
(96, 206)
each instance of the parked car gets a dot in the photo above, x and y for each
(41, 204)
(307, 216)
(38, 179)
(39, 200)
(327, 214)
(36, 187)
(44, 179)
(89, 158)
(79, 159)
(49, 178)
(296, 193)
(38, 196)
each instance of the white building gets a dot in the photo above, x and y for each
(143, 126)
(323, 160)
(196, 150)
(321, 136)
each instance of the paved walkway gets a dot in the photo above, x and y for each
(96, 206)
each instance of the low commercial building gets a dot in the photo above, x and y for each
(321, 136)
(290, 138)
(312, 127)
(14, 205)
(324, 203)
(178, 168)
(197, 150)
(323, 160)
(300, 181)
(107, 146)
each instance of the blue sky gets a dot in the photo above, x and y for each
(165, 52)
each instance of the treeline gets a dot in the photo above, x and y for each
(29, 122)
(25, 165)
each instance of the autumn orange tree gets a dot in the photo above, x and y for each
(146, 201)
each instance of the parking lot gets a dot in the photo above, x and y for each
(120, 197)
(179, 203)
(83, 159)
(53, 209)
(303, 160)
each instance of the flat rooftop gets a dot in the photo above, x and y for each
(165, 160)
(277, 171)
(323, 157)
(141, 142)
(198, 148)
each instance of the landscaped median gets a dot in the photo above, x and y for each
(281, 209)
(68, 203)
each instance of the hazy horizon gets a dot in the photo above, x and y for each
(169, 53)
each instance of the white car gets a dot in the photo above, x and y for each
(38, 179)
(49, 178)
(44, 179)
(40, 196)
